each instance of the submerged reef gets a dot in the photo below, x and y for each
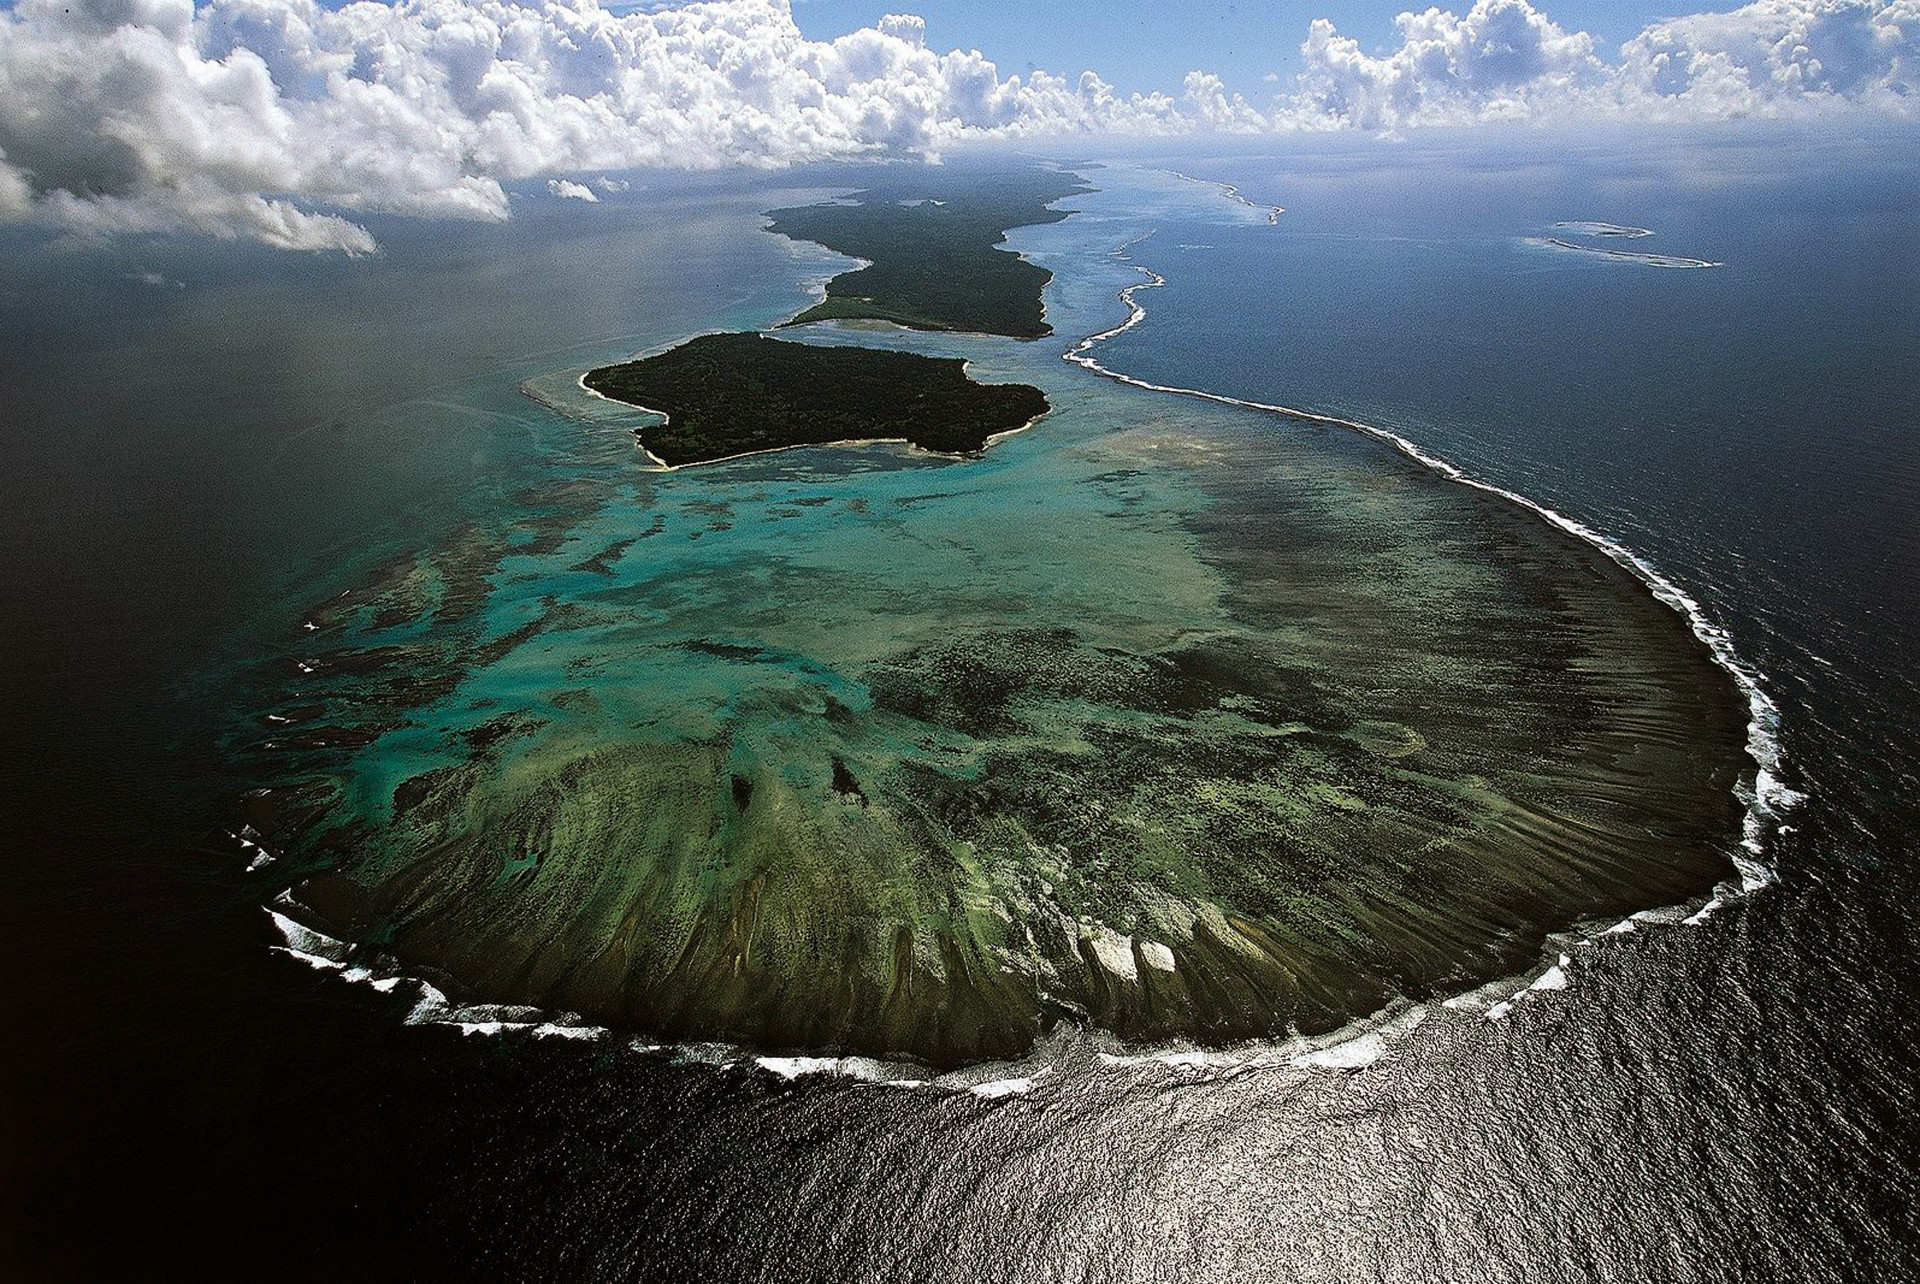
(1303, 745)
(1180, 721)
(726, 395)
(1599, 232)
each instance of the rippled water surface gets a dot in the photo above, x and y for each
(1717, 1096)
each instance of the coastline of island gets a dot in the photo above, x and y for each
(720, 392)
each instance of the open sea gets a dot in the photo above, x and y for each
(203, 440)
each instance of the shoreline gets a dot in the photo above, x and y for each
(660, 465)
(965, 325)
(815, 284)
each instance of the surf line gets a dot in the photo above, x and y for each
(1233, 193)
(1765, 799)
(1622, 256)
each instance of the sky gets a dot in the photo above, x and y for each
(1140, 45)
(280, 121)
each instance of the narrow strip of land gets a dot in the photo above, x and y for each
(931, 238)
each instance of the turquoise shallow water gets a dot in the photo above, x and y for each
(1165, 716)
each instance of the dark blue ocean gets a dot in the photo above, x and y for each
(203, 439)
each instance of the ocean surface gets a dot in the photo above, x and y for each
(204, 441)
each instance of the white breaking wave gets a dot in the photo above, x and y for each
(1359, 1044)
(1232, 193)
(1765, 799)
(1594, 227)
(1618, 256)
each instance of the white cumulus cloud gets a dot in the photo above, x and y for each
(281, 120)
(1507, 60)
(1502, 58)
(1777, 56)
(277, 119)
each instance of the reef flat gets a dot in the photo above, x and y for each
(1180, 720)
(1593, 231)
(726, 395)
(931, 239)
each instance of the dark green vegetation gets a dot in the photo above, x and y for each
(931, 238)
(732, 394)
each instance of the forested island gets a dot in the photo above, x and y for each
(931, 239)
(734, 394)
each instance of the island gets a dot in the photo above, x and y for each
(726, 395)
(931, 238)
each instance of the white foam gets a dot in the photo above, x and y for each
(794, 1067)
(309, 945)
(551, 1030)
(311, 960)
(1700, 915)
(1554, 978)
(1352, 1047)
(432, 1005)
(994, 1089)
(479, 1027)
(246, 838)
(1190, 1058)
(1351, 1054)
(1499, 998)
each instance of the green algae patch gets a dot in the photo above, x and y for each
(726, 395)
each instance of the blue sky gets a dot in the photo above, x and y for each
(1141, 45)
